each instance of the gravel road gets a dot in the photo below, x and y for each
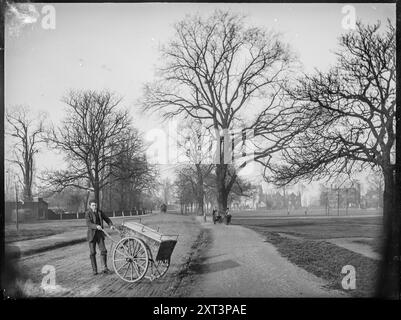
(208, 261)
(239, 263)
(74, 275)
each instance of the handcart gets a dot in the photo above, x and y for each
(141, 252)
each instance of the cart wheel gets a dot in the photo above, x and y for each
(159, 268)
(130, 259)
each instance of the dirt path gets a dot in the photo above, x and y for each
(239, 263)
(74, 275)
(208, 261)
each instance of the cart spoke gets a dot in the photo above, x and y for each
(126, 247)
(137, 271)
(137, 248)
(126, 271)
(136, 268)
(126, 250)
(131, 245)
(121, 267)
(122, 253)
(140, 265)
(130, 267)
(160, 268)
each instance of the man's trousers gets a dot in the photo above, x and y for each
(99, 240)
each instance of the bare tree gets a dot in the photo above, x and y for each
(25, 130)
(186, 187)
(92, 136)
(349, 121)
(214, 69)
(193, 143)
(129, 175)
(166, 192)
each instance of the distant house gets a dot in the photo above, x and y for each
(277, 200)
(341, 197)
(27, 211)
(372, 199)
(269, 201)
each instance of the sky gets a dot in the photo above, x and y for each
(116, 46)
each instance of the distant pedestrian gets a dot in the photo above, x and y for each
(228, 216)
(94, 220)
(214, 215)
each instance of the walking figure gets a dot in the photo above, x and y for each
(228, 216)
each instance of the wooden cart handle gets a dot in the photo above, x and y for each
(108, 236)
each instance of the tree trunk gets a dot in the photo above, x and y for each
(222, 195)
(121, 204)
(389, 280)
(87, 197)
(222, 198)
(27, 195)
(97, 195)
(201, 191)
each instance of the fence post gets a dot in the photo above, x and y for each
(123, 213)
(77, 215)
(114, 213)
(61, 216)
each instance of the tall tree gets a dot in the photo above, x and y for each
(25, 130)
(215, 68)
(185, 186)
(166, 192)
(91, 136)
(194, 147)
(349, 124)
(131, 175)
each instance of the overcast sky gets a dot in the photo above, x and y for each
(115, 46)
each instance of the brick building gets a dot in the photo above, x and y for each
(27, 211)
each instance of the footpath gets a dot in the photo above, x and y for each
(240, 263)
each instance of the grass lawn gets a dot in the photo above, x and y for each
(44, 228)
(311, 252)
(13, 235)
(311, 228)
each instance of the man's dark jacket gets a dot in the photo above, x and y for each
(93, 220)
